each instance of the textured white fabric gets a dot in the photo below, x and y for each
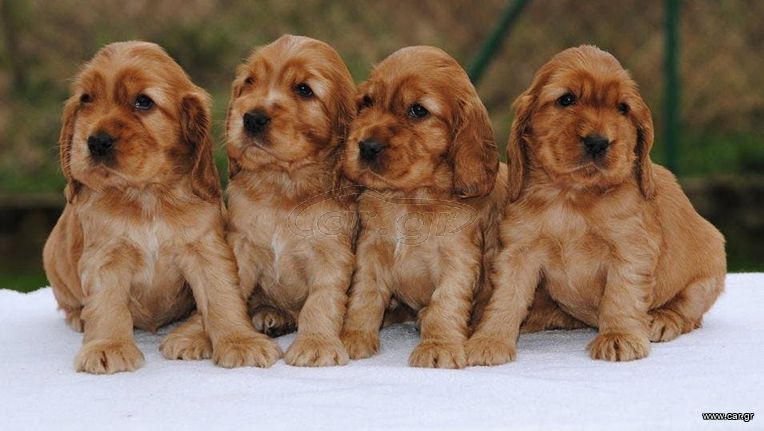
(552, 385)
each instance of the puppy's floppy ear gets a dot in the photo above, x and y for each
(643, 169)
(65, 147)
(233, 165)
(344, 115)
(195, 133)
(473, 154)
(517, 147)
(238, 84)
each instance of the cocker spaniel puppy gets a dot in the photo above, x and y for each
(423, 147)
(140, 242)
(291, 223)
(607, 234)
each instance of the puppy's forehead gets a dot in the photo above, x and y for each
(134, 66)
(422, 74)
(588, 87)
(294, 58)
(395, 93)
(588, 57)
(591, 74)
(417, 60)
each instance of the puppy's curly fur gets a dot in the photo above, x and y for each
(608, 235)
(292, 221)
(423, 146)
(141, 240)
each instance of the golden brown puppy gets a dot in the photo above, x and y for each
(141, 241)
(423, 146)
(291, 229)
(609, 235)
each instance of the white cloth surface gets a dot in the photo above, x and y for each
(552, 385)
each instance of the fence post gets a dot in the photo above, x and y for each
(497, 36)
(671, 90)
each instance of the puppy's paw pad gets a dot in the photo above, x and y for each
(665, 325)
(246, 351)
(107, 357)
(359, 344)
(436, 354)
(272, 322)
(619, 347)
(186, 347)
(316, 352)
(489, 351)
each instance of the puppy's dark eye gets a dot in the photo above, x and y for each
(143, 103)
(366, 102)
(303, 90)
(623, 108)
(418, 111)
(567, 99)
(86, 98)
(249, 81)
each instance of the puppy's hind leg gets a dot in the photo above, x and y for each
(398, 312)
(72, 317)
(189, 341)
(272, 321)
(545, 314)
(684, 312)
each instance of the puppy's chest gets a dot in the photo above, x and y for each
(284, 239)
(575, 257)
(157, 247)
(413, 240)
(156, 280)
(411, 232)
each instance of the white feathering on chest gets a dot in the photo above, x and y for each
(277, 246)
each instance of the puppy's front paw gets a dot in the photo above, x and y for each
(255, 350)
(619, 347)
(186, 346)
(438, 354)
(272, 322)
(360, 344)
(489, 351)
(665, 325)
(108, 356)
(316, 352)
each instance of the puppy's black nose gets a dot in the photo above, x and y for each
(101, 144)
(255, 122)
(370, 149)
(595, 145)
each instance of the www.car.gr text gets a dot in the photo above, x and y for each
(745, 417)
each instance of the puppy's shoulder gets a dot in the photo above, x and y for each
(668, 192)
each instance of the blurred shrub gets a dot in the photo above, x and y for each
(43, 43)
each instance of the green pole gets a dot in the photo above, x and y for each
(671, 89)
(493, 43)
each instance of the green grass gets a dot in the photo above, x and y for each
(23, 281)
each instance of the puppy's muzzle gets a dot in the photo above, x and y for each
(595, 145)
(256, 122)
(101, 145)
(370, 149)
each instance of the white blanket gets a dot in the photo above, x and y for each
(552, 385)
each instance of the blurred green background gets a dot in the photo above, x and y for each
(721, 54)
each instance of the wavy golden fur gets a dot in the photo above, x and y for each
(601, 231)
(423, 147)
(140, 242)
(292, 223)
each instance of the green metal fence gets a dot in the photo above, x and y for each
(671, 91)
